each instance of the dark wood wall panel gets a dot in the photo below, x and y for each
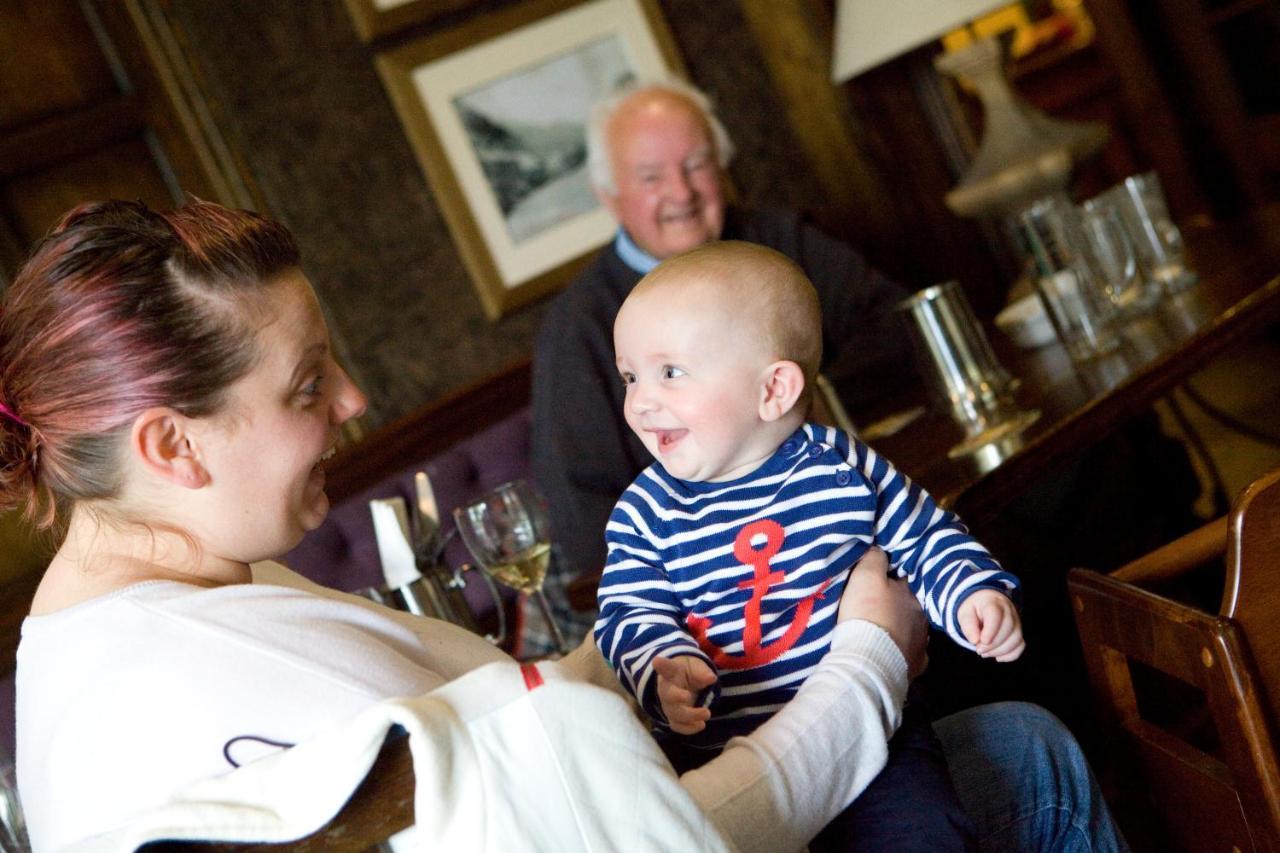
(724, 59)
(293, 89)
(1202, 77)
(83, 117)
(52, 61)
(129, 169)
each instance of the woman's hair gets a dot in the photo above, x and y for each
(600, 158)
(119, 309)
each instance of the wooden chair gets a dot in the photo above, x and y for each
(378, 809)
(1202, 749)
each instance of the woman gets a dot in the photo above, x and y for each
(167, 390)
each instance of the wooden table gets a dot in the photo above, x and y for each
(1238, 295)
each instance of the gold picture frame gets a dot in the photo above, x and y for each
(495, 111)
(376, 18)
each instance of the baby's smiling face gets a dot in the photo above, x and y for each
(693, 368)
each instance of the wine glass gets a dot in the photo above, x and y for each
(509, 534)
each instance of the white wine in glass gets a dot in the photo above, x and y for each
(524, 571)
(509, 534)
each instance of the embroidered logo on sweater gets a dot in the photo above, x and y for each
(755, 653)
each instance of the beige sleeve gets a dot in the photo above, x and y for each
(776, 788)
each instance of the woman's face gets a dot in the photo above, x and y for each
(264, 453)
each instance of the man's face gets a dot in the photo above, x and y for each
(667, 176)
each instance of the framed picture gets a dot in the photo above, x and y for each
(496, 112)
(376, 18)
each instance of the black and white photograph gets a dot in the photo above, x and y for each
(497, 112)
(528, 130)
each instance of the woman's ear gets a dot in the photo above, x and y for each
(780, 388)
(162, 441)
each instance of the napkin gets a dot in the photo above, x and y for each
(391, 529)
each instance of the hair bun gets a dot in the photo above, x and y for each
(19, 458)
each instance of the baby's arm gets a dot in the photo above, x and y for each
(928, 545)
(640, 626)
(990, 621)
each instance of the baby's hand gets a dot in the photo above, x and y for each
(680, 680)
(989, 620)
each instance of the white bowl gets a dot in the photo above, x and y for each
(1026, 323)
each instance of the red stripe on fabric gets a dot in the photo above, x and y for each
(532, 678)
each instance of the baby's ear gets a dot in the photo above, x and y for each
(781, 386)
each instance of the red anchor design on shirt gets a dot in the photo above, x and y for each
(755, 654)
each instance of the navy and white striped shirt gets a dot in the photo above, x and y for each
(747, 574)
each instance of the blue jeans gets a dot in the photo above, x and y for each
(911, 806)
(1025, 782)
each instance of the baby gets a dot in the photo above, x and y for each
(728, 555)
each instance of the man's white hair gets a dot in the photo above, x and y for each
(599, 161)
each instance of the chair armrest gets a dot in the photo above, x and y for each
(1117, 620)
(378, 809)
(1178, 557)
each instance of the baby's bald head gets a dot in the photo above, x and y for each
(761, 291)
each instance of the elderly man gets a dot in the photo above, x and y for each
(657, 156)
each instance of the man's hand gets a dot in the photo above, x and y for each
(873, 596)
(989, 620)
(680, 679)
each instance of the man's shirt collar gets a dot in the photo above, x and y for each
(631, 254)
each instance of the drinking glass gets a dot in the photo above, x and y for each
(1123, 281)
(1141, 203)
(13, 828)
(963, 372)
(1068, 277)
(508, 533)
(955, 355)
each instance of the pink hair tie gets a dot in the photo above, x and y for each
(11, 415)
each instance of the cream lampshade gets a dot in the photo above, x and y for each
(1024, 154)
(870, 32)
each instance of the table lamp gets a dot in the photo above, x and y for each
(1024, 154)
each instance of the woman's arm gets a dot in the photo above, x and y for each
(775, 789)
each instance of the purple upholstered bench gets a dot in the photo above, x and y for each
(468, 444)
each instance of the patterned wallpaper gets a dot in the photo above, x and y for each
(298, 95)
